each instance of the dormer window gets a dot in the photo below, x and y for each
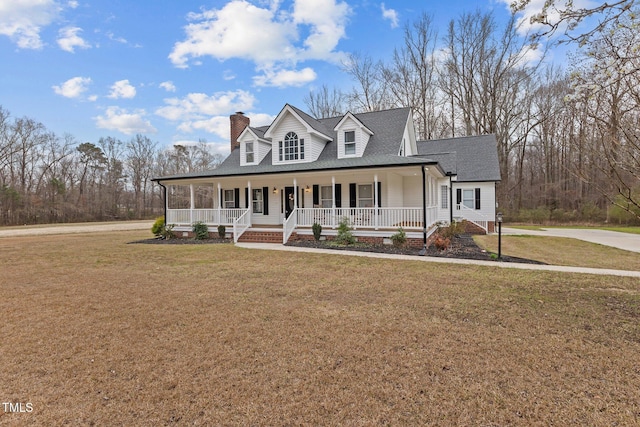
(349, 143)
(292, 148)
(249, 152)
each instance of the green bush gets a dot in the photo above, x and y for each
(160, 229)
(400, 238)
(345, 234)
(317, 230)
(200, 230)
(222, 231)
(157, 226)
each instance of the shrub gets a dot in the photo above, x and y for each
(345, 235)
(400, 238)
(200, 230)
(454, 229)
(160, 229)
(317, 230)
(157, 226)
(222, 231)
(442, 243)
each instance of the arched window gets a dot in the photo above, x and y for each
(292, 149)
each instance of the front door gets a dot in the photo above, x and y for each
(289, 202)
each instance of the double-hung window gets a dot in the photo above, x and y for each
(349, 143)
(292, 148)
(229, 199)
(249, 152)
(444, 197)
(257, 200)
(326, 196)
(469, 198)
(365, 195)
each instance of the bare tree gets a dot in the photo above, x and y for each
(324, 103)
(371, 92)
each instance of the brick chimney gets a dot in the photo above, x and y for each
(238, 123)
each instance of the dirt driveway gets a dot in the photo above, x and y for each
(91, 227)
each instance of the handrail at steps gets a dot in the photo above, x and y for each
(289, 225)
(240, 225)
(473, 216)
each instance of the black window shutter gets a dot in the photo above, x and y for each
(379, 194)
(458, 196)
(338, 195)
(265, 200)
(237, 197)
(316, 195)
(352, 196)
(246, 198)
(477, 198)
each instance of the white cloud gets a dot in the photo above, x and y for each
(73, 88)
(269, 37)
(218, 125)
(122, 89)
(168, 86)
(72, 4)
(23, 20)
(285, 78)
(200, 105)
(68, 39)
(238, 30)
(121, 120)
(391, 15)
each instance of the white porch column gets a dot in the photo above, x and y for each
(249, 200)
(192, 204)
(333, 201)
(219, 203)
(375, 200)
(295, 193)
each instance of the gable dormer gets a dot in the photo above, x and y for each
(408, 145)
(296, 137)
(353, 136)
(253, 148)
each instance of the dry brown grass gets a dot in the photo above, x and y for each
(562, 251)
(97, 332)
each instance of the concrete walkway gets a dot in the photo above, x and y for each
(495, 264)
(625, 241)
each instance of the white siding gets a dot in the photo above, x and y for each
(260, 149)
(412, 191)
(487, 200)
(393, 190)
(361, 138)
(313, 145)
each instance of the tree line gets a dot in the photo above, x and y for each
(568, 137)
(45, 178)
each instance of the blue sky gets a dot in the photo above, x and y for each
(175, 70)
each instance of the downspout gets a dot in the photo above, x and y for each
(423, 251)
(164, 205)
(450, 200)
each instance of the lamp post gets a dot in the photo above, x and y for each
(499, 220)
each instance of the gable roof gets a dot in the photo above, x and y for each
(313, 125)
(471, 158)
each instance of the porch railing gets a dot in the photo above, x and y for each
(241, 224)
(407, 218)
(289, 225)
(208, 216)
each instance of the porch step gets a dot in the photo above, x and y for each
(250, 236)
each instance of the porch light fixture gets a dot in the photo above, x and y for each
(307, 190)
(275, 190)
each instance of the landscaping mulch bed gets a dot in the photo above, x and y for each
(462, 246)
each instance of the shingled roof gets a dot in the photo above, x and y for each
(471, 158)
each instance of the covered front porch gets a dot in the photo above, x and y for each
(374, 203)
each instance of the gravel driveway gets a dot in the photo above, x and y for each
(626, 241)
(30, 230)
